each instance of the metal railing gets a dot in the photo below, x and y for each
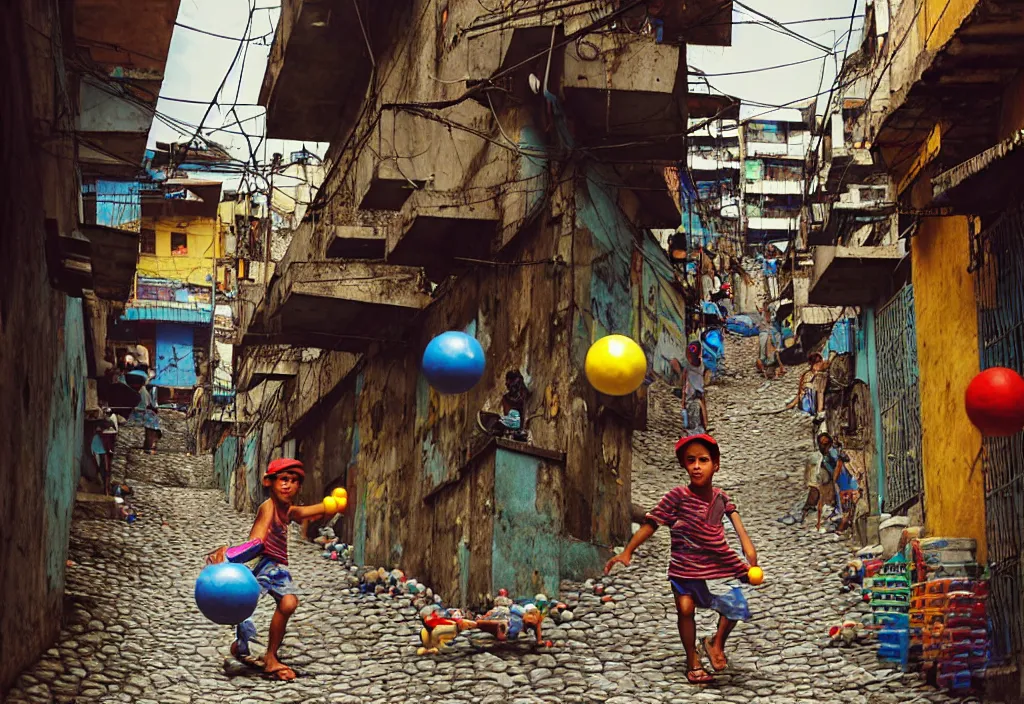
(900, 401)
(999, 281)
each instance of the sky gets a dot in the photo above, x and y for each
(197, 63)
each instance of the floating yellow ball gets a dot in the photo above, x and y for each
(616, 365)
(330, 504)
(755, 575)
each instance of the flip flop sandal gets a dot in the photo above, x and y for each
(699, 676)
(788, 521)
(276, 674)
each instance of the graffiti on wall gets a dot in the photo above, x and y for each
(66, 438)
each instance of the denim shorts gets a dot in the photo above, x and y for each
(733, 605)
(274, 578)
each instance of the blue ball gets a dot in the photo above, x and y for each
(453, 362)
(227, 593)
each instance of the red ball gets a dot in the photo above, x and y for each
(995, 402)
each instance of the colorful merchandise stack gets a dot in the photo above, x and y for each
(947, 612)
(890, 606)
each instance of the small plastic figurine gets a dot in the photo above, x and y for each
(440, 627)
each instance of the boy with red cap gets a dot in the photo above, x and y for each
(268, 540)
(700, 552)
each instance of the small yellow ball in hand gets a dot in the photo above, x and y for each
(755, 575)
(330, 504)
(341, 496)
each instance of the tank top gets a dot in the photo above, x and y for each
(276, 545)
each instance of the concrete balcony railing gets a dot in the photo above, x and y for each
(852, 276)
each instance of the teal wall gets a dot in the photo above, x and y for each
(225, 459)
(526, 554)
(65, 442)
(867, 371)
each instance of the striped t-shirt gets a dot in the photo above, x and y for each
(276, 545)
(699, 547)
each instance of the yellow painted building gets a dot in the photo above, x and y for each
(181, 235)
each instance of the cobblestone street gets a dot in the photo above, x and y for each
(132, 631)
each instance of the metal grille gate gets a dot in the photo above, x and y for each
(999, 266)
(900, 401)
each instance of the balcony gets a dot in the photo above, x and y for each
(319, 65)
(116, 112)
(953, 69)
(775, 188)
(629, 100)
(356, 242)
(777, 150)
(261, 364)
(852, 276)
(439, 229)
(338, 305)
(780, 224)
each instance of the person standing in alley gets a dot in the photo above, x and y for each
(146, 412)
(268, 541)
(700, 552)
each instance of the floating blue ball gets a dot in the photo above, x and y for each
(453, 362)
(227, 593)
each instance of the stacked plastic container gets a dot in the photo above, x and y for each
(948, 621)
(889, 595)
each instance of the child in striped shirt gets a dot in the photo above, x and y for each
(700, 552)
(268, 541)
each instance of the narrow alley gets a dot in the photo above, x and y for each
(393, 311)
(132, 632)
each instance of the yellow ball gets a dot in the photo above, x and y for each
(340, 494)
(616, 365)
(755, 575)
(330, 504)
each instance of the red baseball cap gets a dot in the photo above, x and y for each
(704, 438)
(285, 464)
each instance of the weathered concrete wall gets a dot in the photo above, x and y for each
(42, 360)
(572, 267)
(947, 352)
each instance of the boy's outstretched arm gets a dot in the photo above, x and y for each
(253, 546)
(748, 547)
(638, 539)
(302, 513)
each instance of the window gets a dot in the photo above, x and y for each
(179, 244)
(147, 241)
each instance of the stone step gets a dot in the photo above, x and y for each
(169, 469)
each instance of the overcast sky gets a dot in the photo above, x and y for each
(197, 63)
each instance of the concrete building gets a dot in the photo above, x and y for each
(79, 82)
(772, 183)
(937, 262)
(488, 173)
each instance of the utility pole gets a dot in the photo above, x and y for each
(274, 166)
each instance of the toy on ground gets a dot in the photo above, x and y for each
(440, 627)
(453, 362)
(995, 402)
(616, 365)
(505, 621)
(226, 593)
(755, 575)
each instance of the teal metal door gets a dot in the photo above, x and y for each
(900, 400)
(999, 266)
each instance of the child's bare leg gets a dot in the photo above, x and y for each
(716, 645)
(685, 610)
(285, 608)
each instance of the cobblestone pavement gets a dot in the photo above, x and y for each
(132, 632)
